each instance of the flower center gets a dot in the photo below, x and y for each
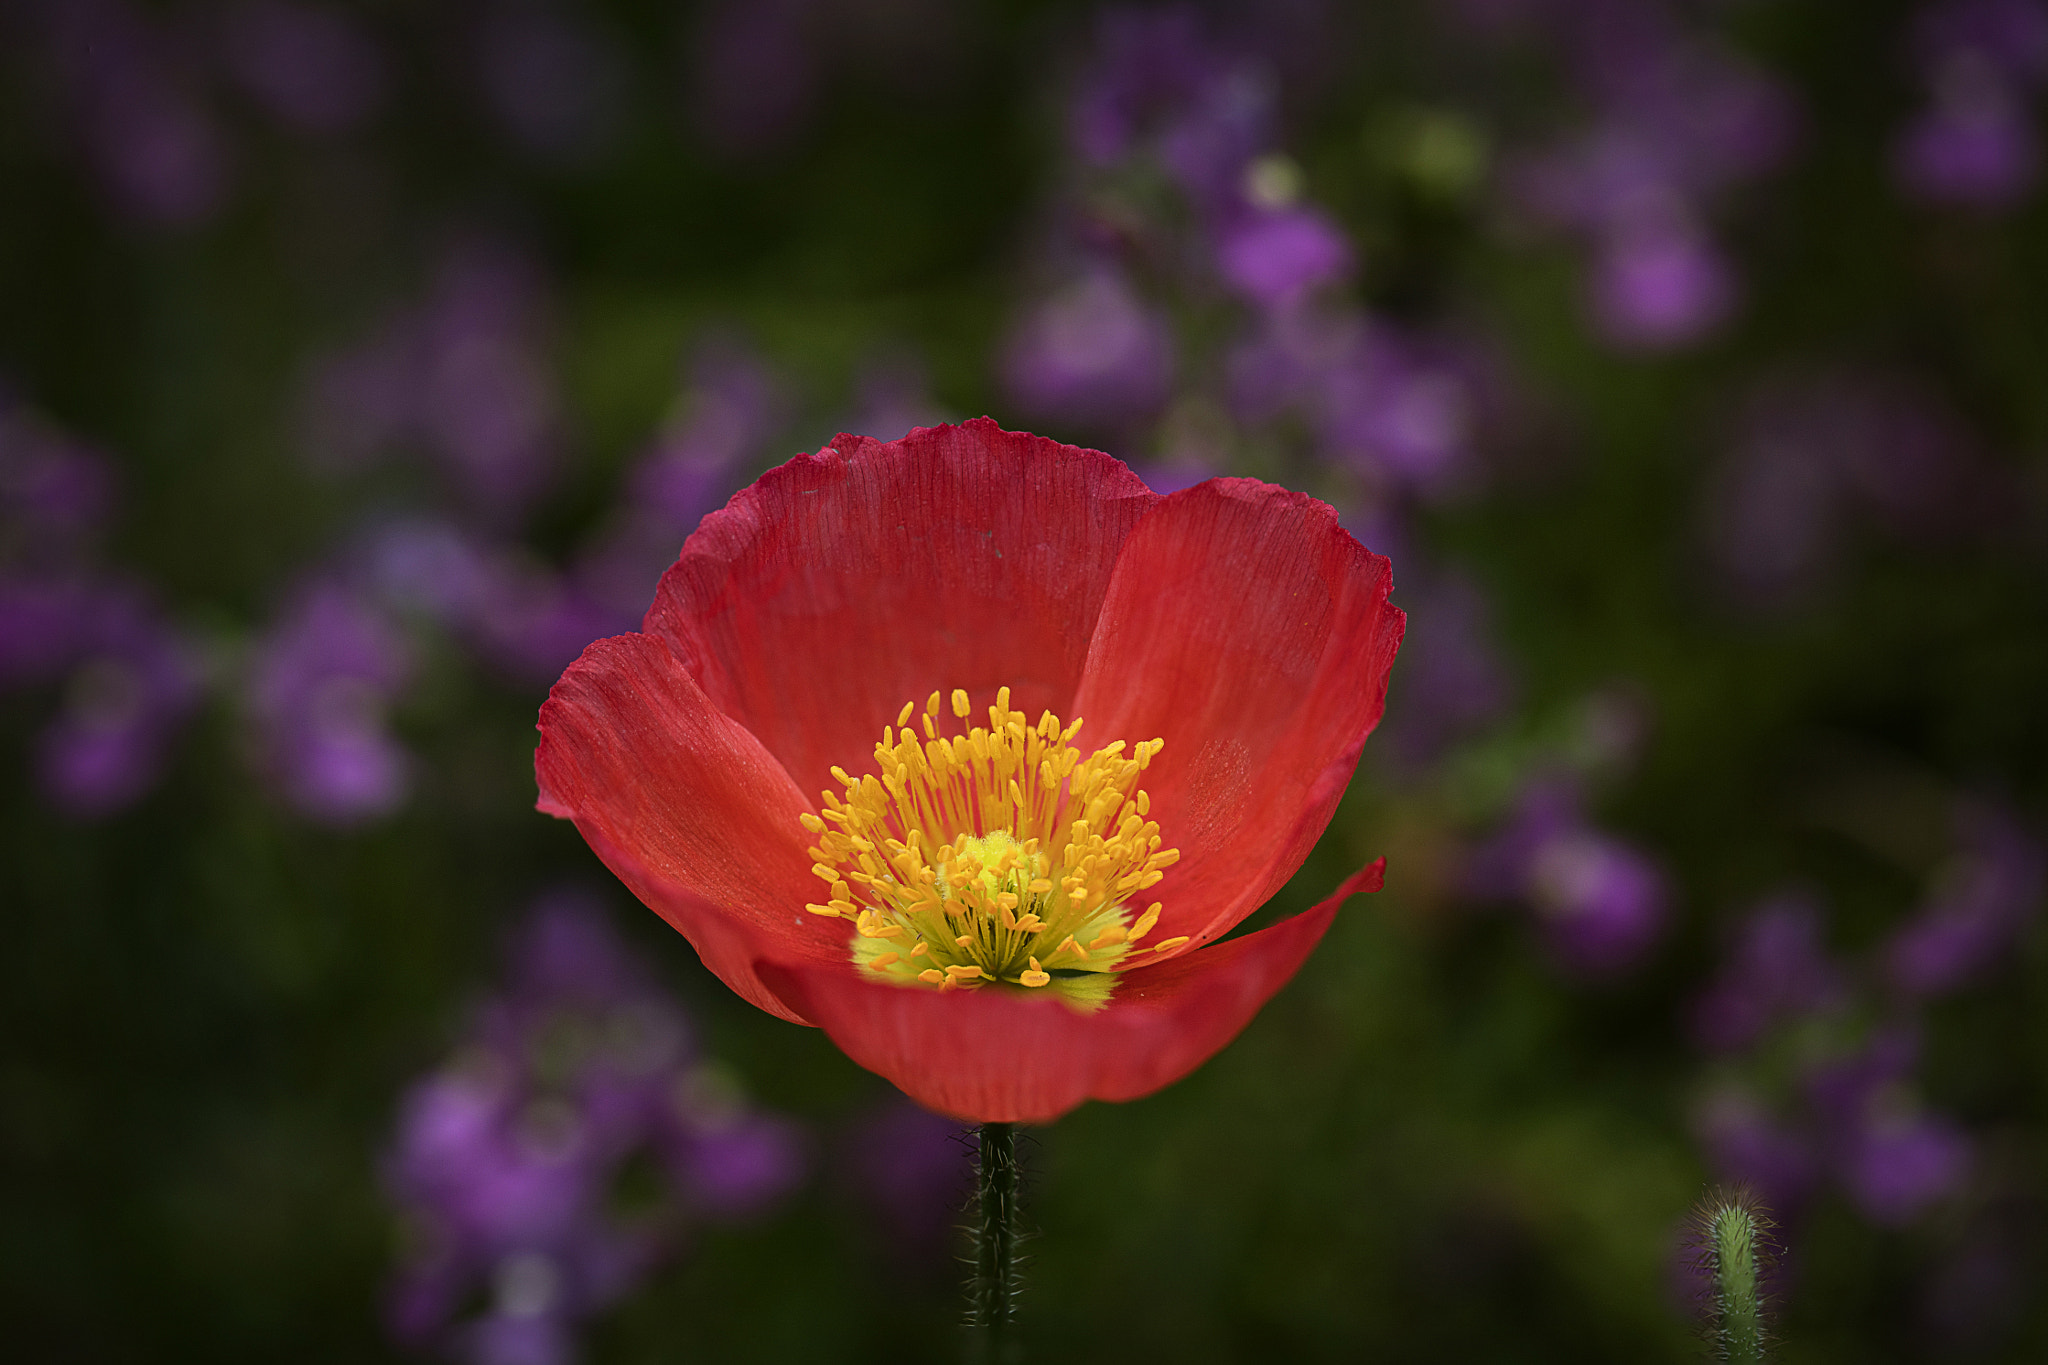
(996, 858)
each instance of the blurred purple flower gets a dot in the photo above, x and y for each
(1173, 473)
(892, 397)
(136, 110)
(360, 402)
(754, 68)
(1777, 970)
(1454, 679)
(551, 79)
(1148, 65)
(55, 494)
(310, 65)
(2009, 35)
(508, 1160)
(1678, 121)
(1808, 450)
(135, 683)
(1899, 1164)
(1984, 900)
(319, 687)
(517, 614)
(1380, 401)
(1893, 1160)
(1092, 352)
(1975, 143)
(732, 405)
(488, 399)
(1275, 259)
(1746, 1144)
(910, 1171)
(41, 625)
(1660, 285)
(1600, 903)
(465, 374)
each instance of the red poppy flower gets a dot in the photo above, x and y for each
(960, 910)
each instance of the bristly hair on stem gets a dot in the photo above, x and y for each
(995, 1229)
(1733, 1251)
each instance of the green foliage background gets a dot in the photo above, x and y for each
(1430, 1147)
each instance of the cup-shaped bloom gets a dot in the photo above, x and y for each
(1000, 918)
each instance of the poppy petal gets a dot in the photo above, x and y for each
(843, 584)
(686, 808)
(1248, 630)
(990, 1057)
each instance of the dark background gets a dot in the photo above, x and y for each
(1763, 592)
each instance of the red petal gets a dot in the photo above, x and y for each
(1248, 630)
(686, 808)
(990, 1057)
(846, 583)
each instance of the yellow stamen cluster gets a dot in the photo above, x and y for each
(998, 856)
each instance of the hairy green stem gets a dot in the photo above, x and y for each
(1739, 1314)
(992, 1294)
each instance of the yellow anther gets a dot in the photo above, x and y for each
(1167, 945)
(990, 851)
(1146, 921)
(823, 910)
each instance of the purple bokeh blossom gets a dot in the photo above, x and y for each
(1676, 121)
(507, 1161)
(1982, 62)
(1814, 455)
(1777, 970)
(309, 65)
(1747, 1143)
(1399, 413)
(892, 397)
(1600, 904)
(1156, 77)
(133, 102)
(1984, 899)
(320, 686)
(465, 375)
(754, 70)
(128, 678)
(911, 1173)
(516, 613)
(56, 494)
(1659, 283)
(133, 685)
(1851, 1115)
(731, 406)
(1454, 679)
(1091, 352)
(1274, 259)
